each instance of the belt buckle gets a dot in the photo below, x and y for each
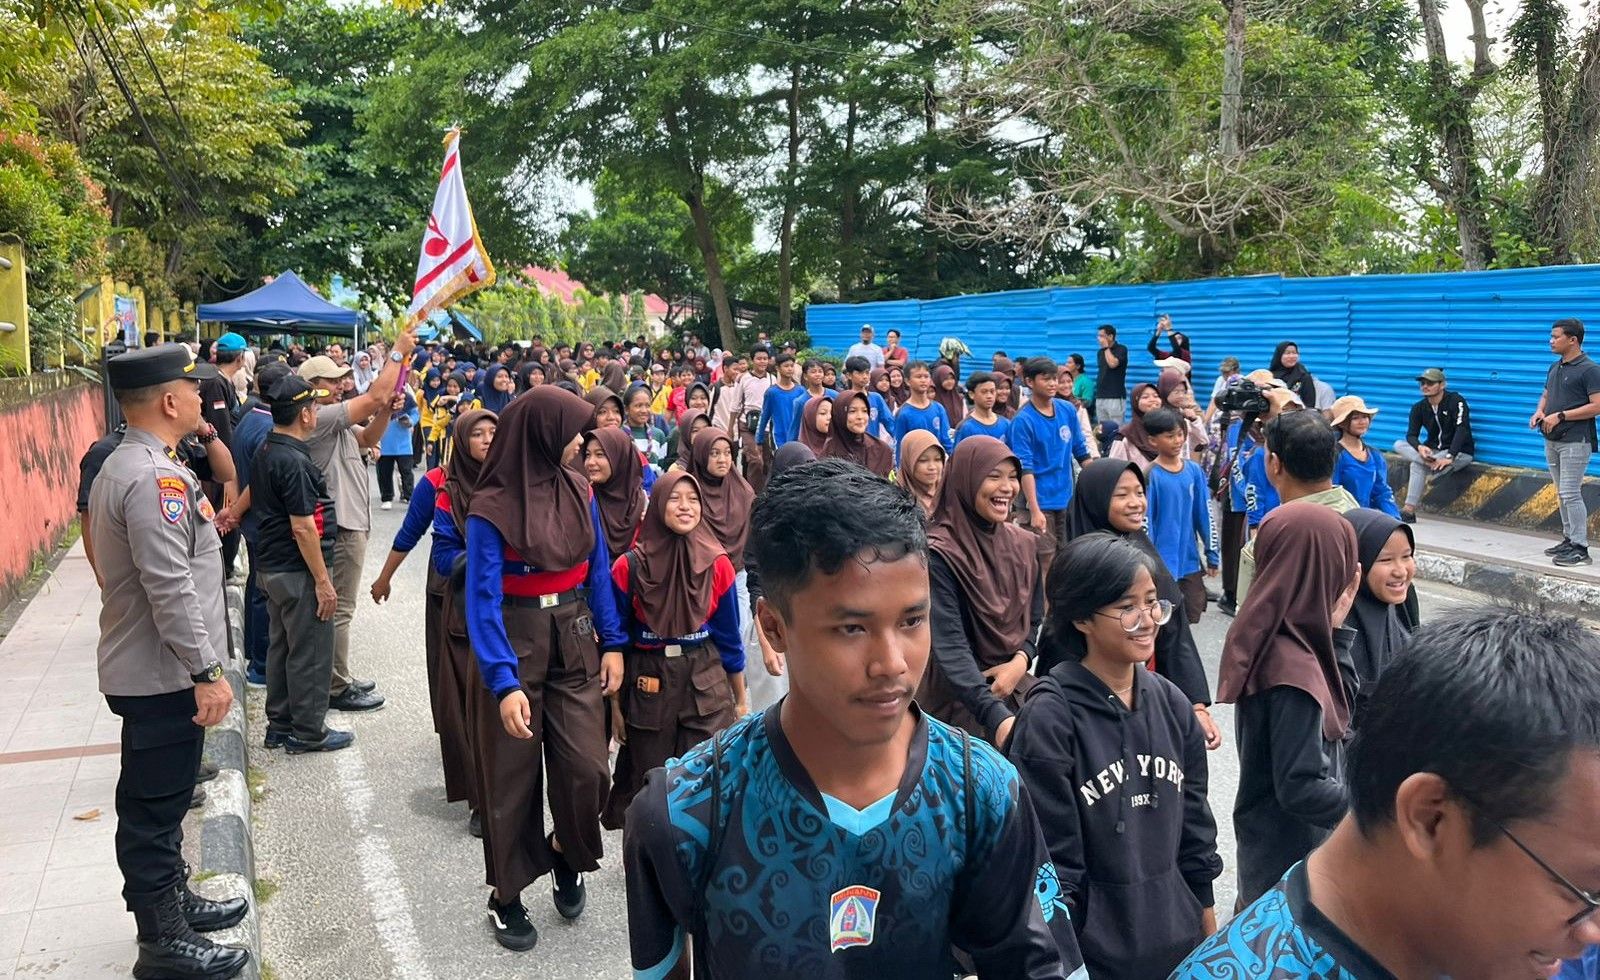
(673, 650)
(550, 600)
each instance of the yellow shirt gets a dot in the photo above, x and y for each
(588, 378)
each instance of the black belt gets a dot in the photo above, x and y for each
(548, 601)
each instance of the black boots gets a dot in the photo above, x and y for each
(170, 949)
(203, 914)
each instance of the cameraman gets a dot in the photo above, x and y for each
(1247, 405)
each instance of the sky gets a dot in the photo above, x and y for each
(1500, 13)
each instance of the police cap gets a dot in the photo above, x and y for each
(152, 366)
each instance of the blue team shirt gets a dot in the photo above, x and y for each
(775, 879)
(248, 435)
(396, 439)
(1046, 447)
(933, 418)
(781, 410)
(1253, 494)
(1179, 517)
(419, 512)
(880, 422)
(1281, 936)
(1367, 482)
(972, 427)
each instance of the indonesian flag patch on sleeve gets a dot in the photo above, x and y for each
(173, 496)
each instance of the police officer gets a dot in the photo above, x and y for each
(160, 655)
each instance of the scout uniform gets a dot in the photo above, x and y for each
(160, 557)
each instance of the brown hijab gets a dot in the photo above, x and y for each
(598, 396)
(862, 449)
(995, 564)
(462, 472)
(954, 402)
(1282, 637)
(621, 498)
(1134, 432)
(725, 503)
(615, 376)
(813, 438)
(685, 442)
(540, 507)
(915, 443)
(670, 573)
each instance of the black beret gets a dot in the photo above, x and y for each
(156, 365)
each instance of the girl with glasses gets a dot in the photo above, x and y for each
(1115, 761)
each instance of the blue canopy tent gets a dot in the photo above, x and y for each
(461, 328)
(284, 305)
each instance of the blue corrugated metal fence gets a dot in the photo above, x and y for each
(1364, 335)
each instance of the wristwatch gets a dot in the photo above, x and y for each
(396, 356)
(209, 673)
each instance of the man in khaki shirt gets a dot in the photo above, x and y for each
(744, 405)
(162, 643)
(346, 428)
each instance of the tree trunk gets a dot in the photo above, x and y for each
(1232, 79)
(1451, 112)
(1561, 194)
(930, 169)
(790, 206)
(705, 237)
(848, 200)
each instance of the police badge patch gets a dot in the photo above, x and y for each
(172, 493)
(852, 915)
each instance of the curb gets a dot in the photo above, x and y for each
(1507, 496)
(227, 850)
(1511, 584)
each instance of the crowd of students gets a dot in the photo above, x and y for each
(977, 737)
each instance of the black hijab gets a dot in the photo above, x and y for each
(1379, 632)
(1177, 657)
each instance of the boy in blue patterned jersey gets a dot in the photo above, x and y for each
(842, 833)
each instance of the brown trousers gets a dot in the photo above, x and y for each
(452, 681)
(691, 702)
(558, 665)
(1047, 544)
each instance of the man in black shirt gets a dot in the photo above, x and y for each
(1442, 416)
(1470, 848)
(1111, 377)
(1565, 415)
(289, 497)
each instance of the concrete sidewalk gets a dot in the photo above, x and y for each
(61, 908)
(1504, 564)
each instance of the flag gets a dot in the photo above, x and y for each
(453, 262)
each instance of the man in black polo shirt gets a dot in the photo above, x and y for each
(1111, 377)
(290, 499)
(1565, 415)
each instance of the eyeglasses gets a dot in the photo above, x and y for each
(1590, 900)
(1160, 611)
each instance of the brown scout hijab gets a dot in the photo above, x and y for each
(862, 449)
(540, 506)
(621, 498)
(725, 503)
(462, 472)
(669, 574)
(915, 443)
(812, 437)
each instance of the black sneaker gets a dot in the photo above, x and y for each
(198, 798)
(364, 684)
(567, 888)
(1557, 549)
(1575, 555)
(1408, 517)
(1227, 606)
(475, 823)
(206, 772)
(512, 928)
(354, 700)
(274, 740)
(332, 741)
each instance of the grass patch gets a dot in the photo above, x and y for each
(202, 875)
(267, 971)
(255, 779)
(264, 889)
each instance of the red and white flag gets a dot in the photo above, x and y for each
(453, 262)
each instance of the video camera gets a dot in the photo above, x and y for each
(1244, 397)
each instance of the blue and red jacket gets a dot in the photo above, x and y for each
(722, 621)
(419, 513)
(495, 571)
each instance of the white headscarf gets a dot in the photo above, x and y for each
(363, 373)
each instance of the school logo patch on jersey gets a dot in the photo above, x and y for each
(173, 495)
(1066, 433)
(852, 914)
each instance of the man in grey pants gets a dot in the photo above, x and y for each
(1565, 415)
(297, 528)
(1438, 437)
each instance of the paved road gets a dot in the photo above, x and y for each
(376, 875)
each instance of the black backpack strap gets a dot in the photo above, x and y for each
(967, 792)
(714, 838)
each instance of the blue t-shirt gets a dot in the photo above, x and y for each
(396, 438)
(1253, 494)
(970, 426)
(1281, 936)
(1367, 482)
(781, 411)
(933, 418)
(1179, 517)
(1046, 446)
(248, 435)
(1585, 967)
(880, 422)
(774, 878)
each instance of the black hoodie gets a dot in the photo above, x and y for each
(1121, 795)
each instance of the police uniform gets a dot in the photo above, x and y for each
(162, 627)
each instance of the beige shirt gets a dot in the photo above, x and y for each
(1336, 498)
(747, 395)
(335, 451)
(162, 612)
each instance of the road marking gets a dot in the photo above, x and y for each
(379, 875)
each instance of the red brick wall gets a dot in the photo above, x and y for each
(46, 423)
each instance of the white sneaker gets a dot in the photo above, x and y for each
(388, 505)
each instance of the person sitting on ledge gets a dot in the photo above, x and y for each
(1442, 416)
